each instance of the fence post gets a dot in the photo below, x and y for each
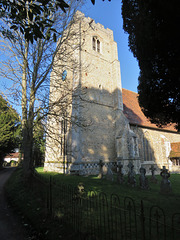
(142, 217)
(50, 195)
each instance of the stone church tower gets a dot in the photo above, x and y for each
(95, 127)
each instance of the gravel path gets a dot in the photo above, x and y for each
(12, 226)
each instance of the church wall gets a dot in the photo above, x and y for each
(102, 132)
(100, 93)
(98, 79)
(96, 141)
(154, 147)
(99, 137)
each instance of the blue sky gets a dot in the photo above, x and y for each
(109, 14)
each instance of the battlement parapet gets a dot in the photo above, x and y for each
(79, 14)
(94, 24)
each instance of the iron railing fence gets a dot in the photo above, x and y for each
(96, 216)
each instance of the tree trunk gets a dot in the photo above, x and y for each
(26, 129)
(27, 148)
(1, 162)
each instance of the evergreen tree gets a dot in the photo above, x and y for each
(153, 28)
(31, 17)
(9, 129)
(28, 67)
(38, 141)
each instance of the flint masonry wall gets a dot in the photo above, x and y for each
(101, 130)
(101, 86)
(99, 81)
(159, 147)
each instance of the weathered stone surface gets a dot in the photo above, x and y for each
(95, 100)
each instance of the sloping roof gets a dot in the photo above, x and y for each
(134, 113)
(175, 150)
(13, 155)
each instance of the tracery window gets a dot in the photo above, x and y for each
(96, 44)
(147, 147)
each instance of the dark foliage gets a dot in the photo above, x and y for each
(93, 1)
(27, 17)
(9, 129)
(153, 28)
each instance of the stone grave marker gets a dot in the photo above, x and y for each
(165, 183)
(131, 175)
(153, 177)
(101, 164)
(143, 181)
(120, 175)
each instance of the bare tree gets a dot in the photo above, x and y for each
(29, 67)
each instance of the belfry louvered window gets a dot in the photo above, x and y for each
(96, 44)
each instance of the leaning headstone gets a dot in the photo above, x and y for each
(153, 179)
(131, 175)
(143, 181)
(101, 164)
(165, 183)
(120, 175)
(110, 175)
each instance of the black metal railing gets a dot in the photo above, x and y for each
(93, 215)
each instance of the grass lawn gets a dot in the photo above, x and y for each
(170, 203)
(34, 208)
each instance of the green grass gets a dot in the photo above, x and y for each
(171, 202)
(31, 207)
(34, 208)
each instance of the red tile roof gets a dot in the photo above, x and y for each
(13, 155)
(175, 147)
(175, 150)
(134, 113)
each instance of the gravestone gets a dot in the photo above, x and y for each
(110, 174)
(153, 178)
(131, 175)
(143, 181)
(101, 164)
(120, 175)
(165, 183)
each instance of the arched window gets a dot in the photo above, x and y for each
(96, 45)
(147, 147)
